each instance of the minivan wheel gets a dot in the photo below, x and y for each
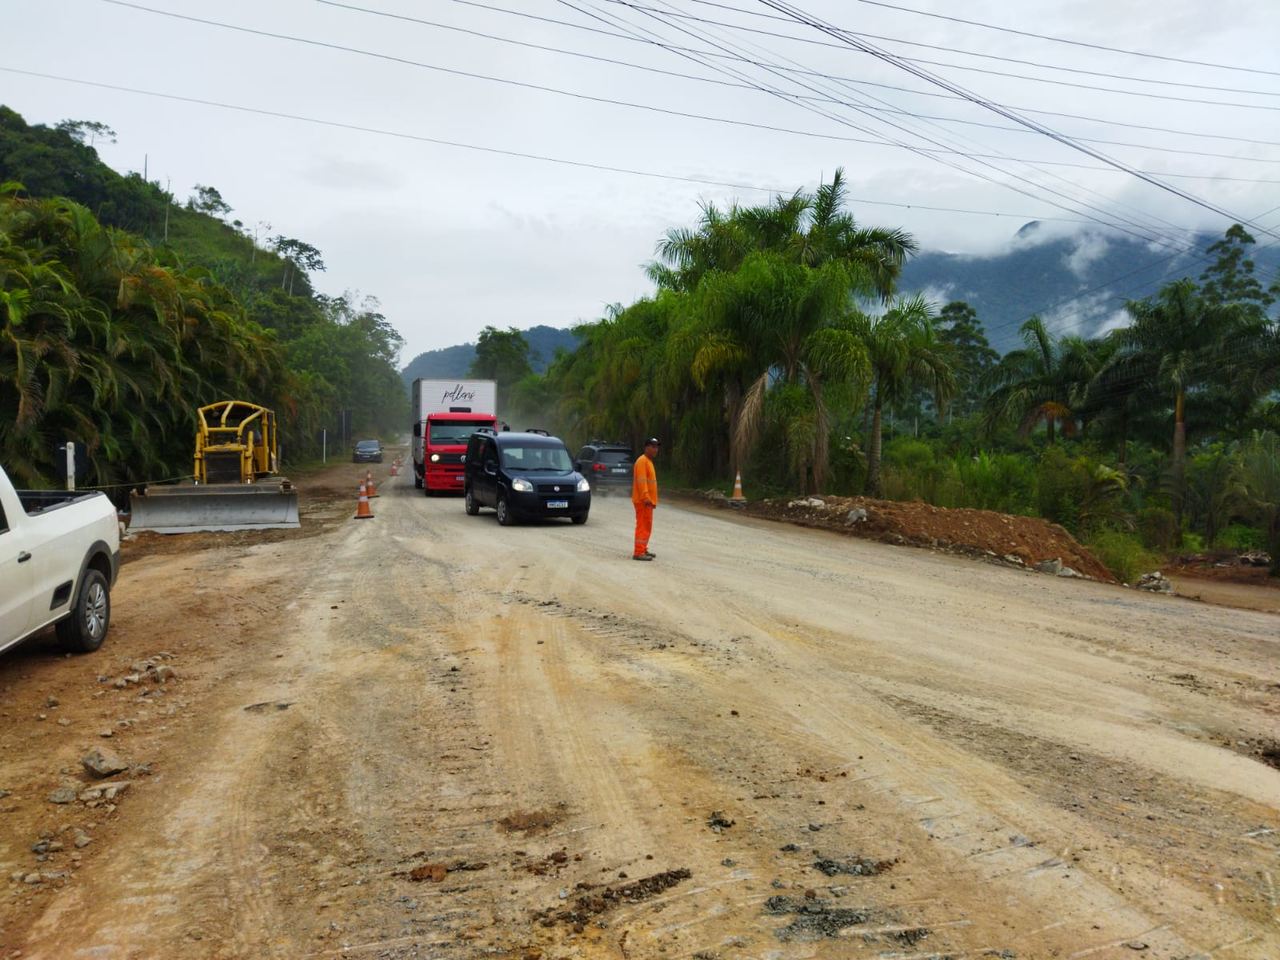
(85, 629)
(469, 503)
(504, 513)
(579, 518)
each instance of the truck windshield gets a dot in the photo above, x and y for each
(455, 431)
(536, 457)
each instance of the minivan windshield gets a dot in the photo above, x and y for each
(536, 457)
(456, 431)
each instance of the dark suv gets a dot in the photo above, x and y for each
(524, 476)
(367, 451)
(605, 464)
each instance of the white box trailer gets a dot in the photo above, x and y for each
(430, 397)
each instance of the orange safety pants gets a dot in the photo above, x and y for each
(644, 527)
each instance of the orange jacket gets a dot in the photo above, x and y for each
(644, 482)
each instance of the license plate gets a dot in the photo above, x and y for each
(557, 504)
(620, 471)
(459, 479)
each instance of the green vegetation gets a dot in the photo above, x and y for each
(777, 342)
(121, 312)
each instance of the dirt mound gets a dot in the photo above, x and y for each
(1023, 541)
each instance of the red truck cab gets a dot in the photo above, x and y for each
(445, 437)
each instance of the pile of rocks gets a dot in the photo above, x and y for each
(1155, 582)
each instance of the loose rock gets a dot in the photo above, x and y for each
(102, 763)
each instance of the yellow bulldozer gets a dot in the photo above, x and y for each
(237, 484)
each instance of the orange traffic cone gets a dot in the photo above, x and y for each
(368, 483)
(737, 489)
(362, 505)
(395, 468)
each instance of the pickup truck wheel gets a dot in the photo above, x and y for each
(504, 513)
(469, 503)
(417, 481)
(85, 629)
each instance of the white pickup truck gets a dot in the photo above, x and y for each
(59, 555)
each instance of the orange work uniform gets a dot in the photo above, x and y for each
(644, 495)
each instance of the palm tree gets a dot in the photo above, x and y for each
(766, 287)
(806, 228)
(904, 355)
(1043, 382)
(1175, 337)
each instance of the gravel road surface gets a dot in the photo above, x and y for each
(428, 736)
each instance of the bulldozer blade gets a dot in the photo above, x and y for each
(214, 508)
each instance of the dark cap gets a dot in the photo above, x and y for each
(653, 441)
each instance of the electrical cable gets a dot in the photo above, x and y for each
(802, 17)
(912, 147)
(760, 51)
(949, 49)
(811, 73)
(834, 32)
(500, 151)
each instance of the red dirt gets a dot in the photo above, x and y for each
(973, 532)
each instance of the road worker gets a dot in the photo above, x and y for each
(644, 495)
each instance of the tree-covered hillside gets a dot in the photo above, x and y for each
(122, 310)
(544, 343)
(1077, 283)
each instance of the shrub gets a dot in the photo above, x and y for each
(1124, 555)
(1157, 528)
(1000, 481)
(1239, 536)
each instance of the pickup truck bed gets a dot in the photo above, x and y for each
(59, 555)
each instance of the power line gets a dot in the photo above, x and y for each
(744, 86)
(500, 151)
(476, 4)
(548, 89)
(1111, 220)
(833, 32)
(801, 17)
(1074, 43)
(959, 50)
(704, 35)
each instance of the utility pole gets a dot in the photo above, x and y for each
(168, 201)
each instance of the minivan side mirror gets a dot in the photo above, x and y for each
(491, 468)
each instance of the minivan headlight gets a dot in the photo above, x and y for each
(584, 485)
(521, 485)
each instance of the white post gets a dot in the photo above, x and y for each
(71, 465)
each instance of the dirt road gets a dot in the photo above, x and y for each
(771, 742)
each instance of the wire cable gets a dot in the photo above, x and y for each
(1118, 223)
(967, 53)
(501, 151)
(802, 17)
(834, 32)
(476, 4)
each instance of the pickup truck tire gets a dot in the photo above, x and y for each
(504, 513)
(85, 629)
(469, 504)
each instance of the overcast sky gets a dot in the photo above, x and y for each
(453, 239)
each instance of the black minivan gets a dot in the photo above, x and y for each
(523, 476)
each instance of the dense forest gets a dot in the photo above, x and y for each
(122, 310)
(777, 342)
